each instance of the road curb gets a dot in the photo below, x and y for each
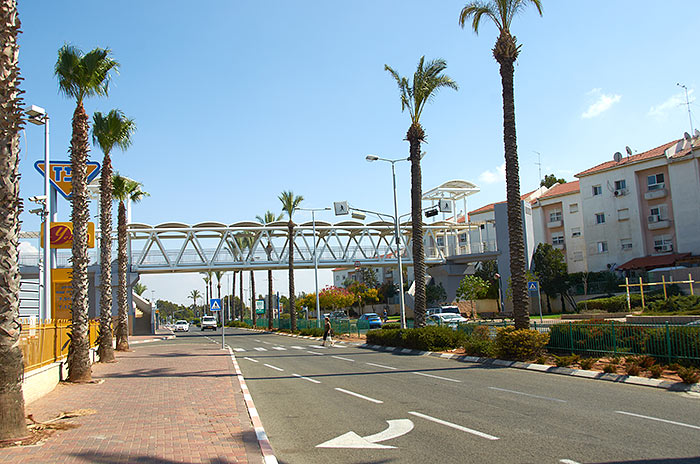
(594, 375)
(263, 441)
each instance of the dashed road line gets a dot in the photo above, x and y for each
(279, 348)
(260, 348)
(567, 461)
(239, 349)
(306, 378)
(343, 359)
(298, 347)
(659, 420)
(436, 377)
(251, 359)
(274, 367)
(383, 367)
(528, 394)
(454, 426)
(348, 392)
(320, 347)
(267, 343)
(314, 352)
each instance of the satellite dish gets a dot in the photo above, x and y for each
(617, 156)
(629, 151)
(697, 133)
(686, 135)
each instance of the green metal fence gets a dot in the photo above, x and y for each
(340, 326)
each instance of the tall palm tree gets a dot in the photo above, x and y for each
(427, 80)
(233, 296)
(81, 76)
(112, 130)
(290, 203)
(207, 285)
(219, 275)
(267, 218)
(195, 295)
(123, 189)
(12, 425)
(247, 241)
(505, 52)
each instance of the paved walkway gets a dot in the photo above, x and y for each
(165, 402)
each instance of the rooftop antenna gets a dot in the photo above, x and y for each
(687, 103)
(629, 151)
(539, 163)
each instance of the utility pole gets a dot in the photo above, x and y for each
(687, 103)
(539, 164)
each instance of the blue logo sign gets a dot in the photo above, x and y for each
(215, 304)
(533, 286)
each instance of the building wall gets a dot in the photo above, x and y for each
(685, 194)
(655, 200)
(574, 247)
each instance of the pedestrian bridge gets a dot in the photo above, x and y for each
(212, 246)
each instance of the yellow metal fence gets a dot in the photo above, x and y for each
(46, 342)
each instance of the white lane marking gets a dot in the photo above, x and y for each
(298, 347)
(436, 377)
(383, 367)
(267, 343)
(250, 359)
(659, 420)
(454, 426)
(318, 346)
(260, 348)
(306, 378)
(396, 428)
(527, 394)
(279, 348)
(567, 461)
(238, 349)
(257, 340)
(343, 359)
(273, 367)
(313, 352)
(348, 392)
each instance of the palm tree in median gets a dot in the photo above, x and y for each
(289, 204)
(195, 295)
(427, 80)
(123, 189)
(505, 52)
(207, 285)
(81, 76)
(13, 424)
(112, 130)
(267, 219)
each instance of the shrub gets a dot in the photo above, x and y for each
(615, 360)
(633, 369)
(519, 344)
(237, 324)
(391, 325)
(587, 363)
(477, 346)
(610, 368)
(482, 332)
(647, 361)
(655, 370)
(541, 359)
(312, 332)
(427, 338)
(566, 361)
(689, 374)
(684, 304)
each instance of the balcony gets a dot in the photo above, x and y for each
(553, 224)
(656, 191)
(656, 222)
(558, 246)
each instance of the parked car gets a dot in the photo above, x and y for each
(209, 322)
(445, 319)
(372, 319)
(442, 310)
(340, 314)
(694, 323)
(182, 326)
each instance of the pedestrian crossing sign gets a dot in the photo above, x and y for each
(533, 286)
(215, 304)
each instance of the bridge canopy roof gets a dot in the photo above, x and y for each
(451, 190)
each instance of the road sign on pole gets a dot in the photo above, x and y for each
(215, 304)
(60, 173)
(534, 287)
(259, 306)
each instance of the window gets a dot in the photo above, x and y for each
(578, 256)
(441, 241)
(575, 231)
(558, 239)
(658, 213)
(626, 244)
(600, 218)
(623, 214)
(655, 182)
(620, 184)
(573, 208)
(602, 247)
(555, 216)
(463, 238)
(663, 243)
(597, 190)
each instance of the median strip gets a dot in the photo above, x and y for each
(348, 392)
(454, 426)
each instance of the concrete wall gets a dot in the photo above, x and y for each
(39, 382)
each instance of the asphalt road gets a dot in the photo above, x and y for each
(443, 411)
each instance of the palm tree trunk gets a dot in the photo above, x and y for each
(415, 135)
(269, 300)
(241, 297)
(12, 421)
(252, 298)
(515, 222)
(79, 369)
(105, 350)
(122, 331)
(292, 298)
(233, 296)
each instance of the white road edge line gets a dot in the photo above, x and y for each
(527, 394)
(306, 378)
(454, 426)
(343, 359)
(659, 420)
(251, 359)
(567, 461)
(436, 377)
(383, 367)
(348, 392)
(274, 367)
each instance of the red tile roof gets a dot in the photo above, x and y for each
(653, 153)
(490, 206)
(561, 189)
(652, 262)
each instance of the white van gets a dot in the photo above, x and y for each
(442, 309)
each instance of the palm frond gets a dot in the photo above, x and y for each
(290, 202)
(114, 129)
(268, 217)
(84, 75)
(124, 188)
(501, 12)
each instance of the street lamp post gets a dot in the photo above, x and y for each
(402, 306)
(37, 115)
(313, 225)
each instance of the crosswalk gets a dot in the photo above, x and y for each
(278, 348)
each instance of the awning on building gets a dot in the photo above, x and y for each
(652, 262)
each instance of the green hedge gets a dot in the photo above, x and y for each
(431, 338)
(618, 303)
(689, 304)
(237, 324)
(391, 325)
(519, 344)
(312, 332)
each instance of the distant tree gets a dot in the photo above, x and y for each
(550, 268)
(488, 270)
(368, 276)
(139, 288)
(472, 288)
(290, 203)
(308, 301)
(435, 293)
(268, 218)
(551, 179)
(335, 298)
(387, 290)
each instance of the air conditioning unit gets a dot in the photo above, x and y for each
(620, 192)
(663, 248)
(653, 187)
(654, 218)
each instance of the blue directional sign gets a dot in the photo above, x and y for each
(215, 304)
(533, 287)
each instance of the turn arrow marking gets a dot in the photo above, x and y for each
(396, 428)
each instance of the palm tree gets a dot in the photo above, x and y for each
(109, 131)
(123, 189)
(12, 425)
(289, 204)
(195, 295)
(247, 241)
(506, 51)
(267, 219)
(81, 76)
(233, 296)
(207, 286)
(219, 275)
(427, 80)
(139, 288)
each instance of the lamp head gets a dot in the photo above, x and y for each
(36, 114)
(371, 158)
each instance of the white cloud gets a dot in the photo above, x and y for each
(673, 102)
(491, 177)
(26, 247)
(602, 103)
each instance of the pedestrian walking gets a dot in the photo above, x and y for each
(386, 316)
(328, 333)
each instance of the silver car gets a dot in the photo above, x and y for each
(182, 326)
(209, 322)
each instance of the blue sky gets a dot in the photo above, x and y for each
(237, 101)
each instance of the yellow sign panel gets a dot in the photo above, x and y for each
(62, 293)
(62, 234)
(61, 173)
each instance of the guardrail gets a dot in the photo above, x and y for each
(46, 342)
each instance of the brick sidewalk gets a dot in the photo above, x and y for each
(164, 402)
